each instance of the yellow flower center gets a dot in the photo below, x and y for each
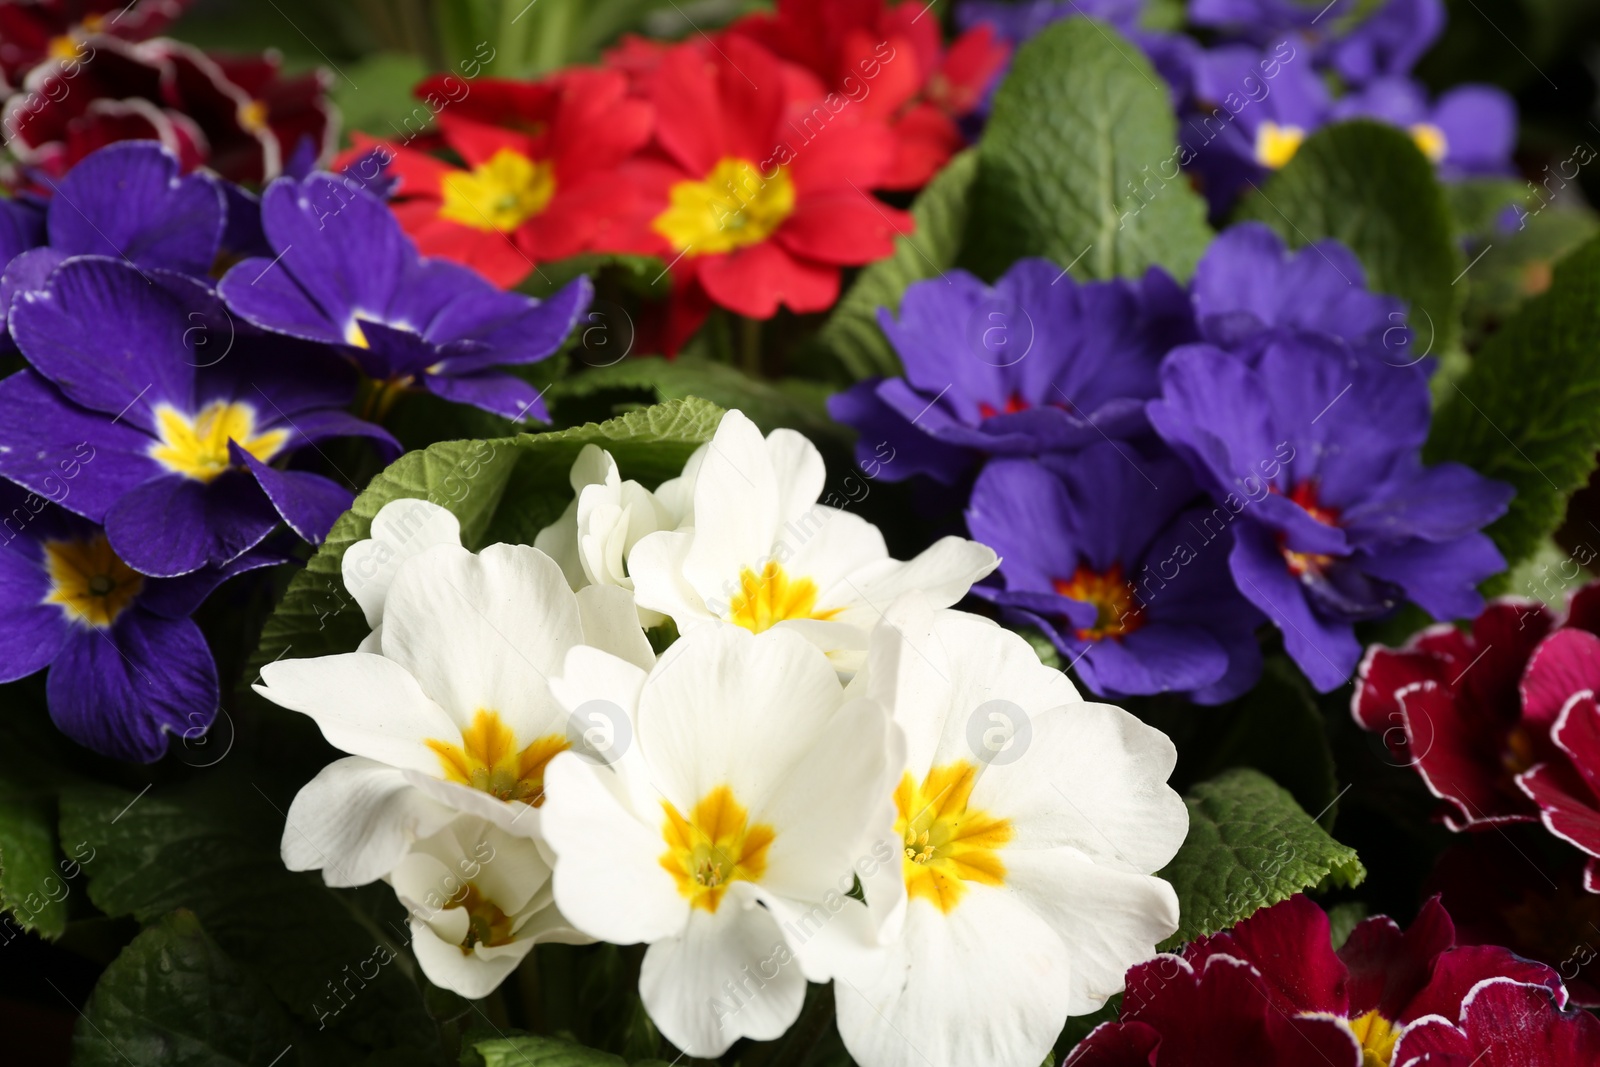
(1377, 1036)
(1431, 140)
(197, 446)
(735, 206)
(487, 925)
(1117, 610)
(714, 847)
(1276, 145)
(771, 597)
(354, 336)
(90, 583)
(253, 116)
(946, 843)
(64, 47)
(487, 759)
(499, 195)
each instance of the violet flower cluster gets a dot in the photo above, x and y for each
(1161, 469)
(157, 440)
(1275, 71)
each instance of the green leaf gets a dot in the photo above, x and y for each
(530, 1051)
(1071, 164)
(1369, 186)
(1343, 918)
(211, 846)
(852, 334)
(1475, 203)
(174, 998)
(376, 97)
(502, 489)
(36, 881)
(791, 402)
(1249, 846)
(1525, 412)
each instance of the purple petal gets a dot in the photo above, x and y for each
(177, 598)
(82, 460)
(1437, 504)
(890, 443)
(340, 243)
(173, 525)
(1024, 513)
(262, 292)
(121, 691)
(31, 632)
(1479, 123)
(1154, 658)
(1441, 578)
(309, 503)
(128, 201)
(515, 328)
(501, 394)
(112, 339)
(281, 377)
(21, 228)
(1215, 410)
(1326, 650)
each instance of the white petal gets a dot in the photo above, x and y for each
(798, 469)
(365, 705)
(559, 541)
(473, 975)
(832, 548)
(609, 881)
(832, 805)
(735, 506)
(484, 632)
(355, 820)
(610, 622)
(400, 530)
(656, 566)
(943, 573)
(984, 984)
(833, 937)
(1108, 919)
(1092, 777)
(508, 870)
(512, 816)
(728, 707)
(729, 975)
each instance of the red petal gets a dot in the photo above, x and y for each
(754, 281)
(925, 139)
(1389, 968)
(1290, 947)
(969, 66)
(1566, 662)
(477, 142)
(843, 228)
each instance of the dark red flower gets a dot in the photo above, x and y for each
(32, 31)
(1449, 703)
(1503, 1023)
(540, 180)
(1560, 688)
(890, 63)
(1259, 993)
(240, 116)
(1506, 889)
(741, 203)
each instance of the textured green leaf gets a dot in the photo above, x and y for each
(1370, 187)
(1249, 846)
(1525, 412)
(792, 402)
(173, 997)
(530, 1051)
(502, 489)
(1073, 165)
(211, 846)
(852, 333)
(35, 879)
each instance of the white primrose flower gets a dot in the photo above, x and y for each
(479, 899)
(729, 835)
(455, 715)
(1029, 823)
(762, 553)
(608, 516)
(400, 530)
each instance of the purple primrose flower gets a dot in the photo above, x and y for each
(1343, 521)
(1108, 552)
(1038, 362)
(184, 414)
(128, 667)
(344, 274)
